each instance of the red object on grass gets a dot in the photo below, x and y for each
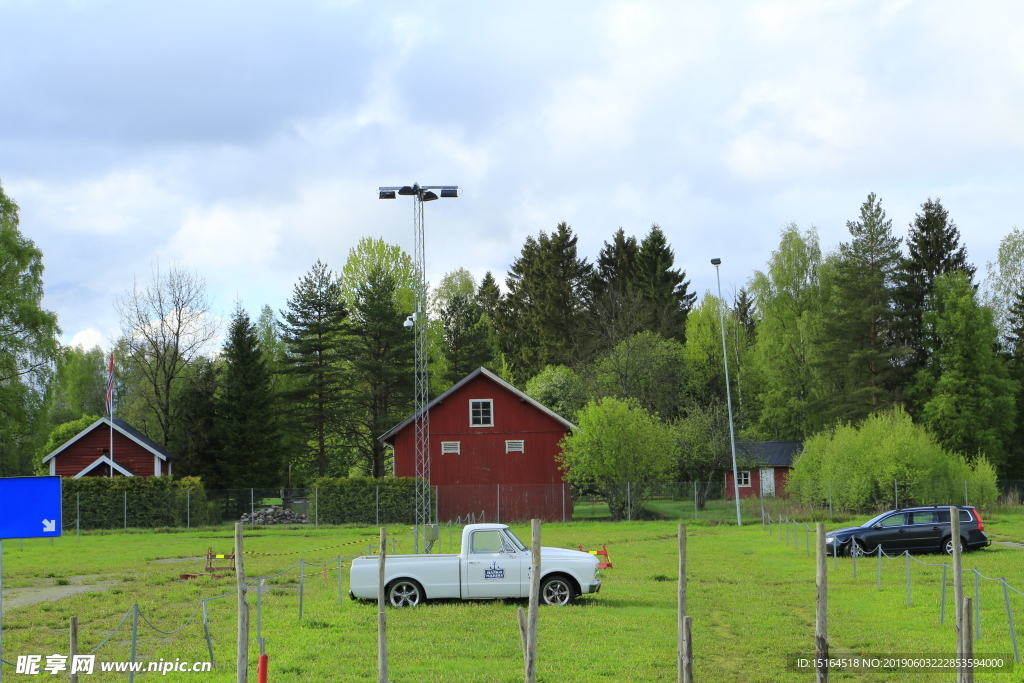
(607, 564)
(261, 669)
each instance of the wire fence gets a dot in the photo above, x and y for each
(787, 529)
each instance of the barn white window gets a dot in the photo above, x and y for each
(515, 446)
(743, 477)
(450, 446)
(481, 412)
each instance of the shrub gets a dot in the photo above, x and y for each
(860, 465)
(343, 500)
(151, 502)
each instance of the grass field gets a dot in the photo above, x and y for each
(750, 594)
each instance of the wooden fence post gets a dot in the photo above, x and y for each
(958, 567)
(243, 608)
(685, 663)
(531, 631)
(821, 614)
(382, 626)
(965, 643)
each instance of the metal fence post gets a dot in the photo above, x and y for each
(906, 555)
(316, 506)
(879, 566)
(341, 583)
(259, 610)
(188, 508)
(830, 500)
(126, 510)
(206, 632)
(378, 506)
(302, 583)
(135, 639)
(1009, 618)
(78, 516)
(977, 604)
(252, 508)
(966, 501)
(629, 504)
(942, 610)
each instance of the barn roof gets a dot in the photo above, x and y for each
(123, 428)
(769, 453)
(387, 436)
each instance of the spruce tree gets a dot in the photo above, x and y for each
(312, 328)
(249, 453)
(933, 246)
(380, 355)
(662, 287)
(616, 267)
(858, 356)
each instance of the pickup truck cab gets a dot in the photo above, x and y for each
(493, 564)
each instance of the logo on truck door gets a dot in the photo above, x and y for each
(494, 572)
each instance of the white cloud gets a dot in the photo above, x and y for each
(87, 339)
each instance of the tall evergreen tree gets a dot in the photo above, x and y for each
(380, 355)
(933, 246)
(249, 444)
(194, 434)
(616, 267)
(312, 327)
(662, 287)
(858, 356)
(966, 397)
(488, 295)
(548, 293)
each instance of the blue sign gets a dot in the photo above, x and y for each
(494, 572)
(30, 507)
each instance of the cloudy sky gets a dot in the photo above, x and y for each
(246, 139)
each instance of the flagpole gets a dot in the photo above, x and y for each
(110, 409)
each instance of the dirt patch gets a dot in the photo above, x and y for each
(174, 560)
(46, 590)
(1011, 544)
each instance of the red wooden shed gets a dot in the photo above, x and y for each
(763, 467)
(492, 450)
(87, 454)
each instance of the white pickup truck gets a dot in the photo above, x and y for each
(493, 564)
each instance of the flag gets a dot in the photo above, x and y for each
(110, 385)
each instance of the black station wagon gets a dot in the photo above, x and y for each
(918, 529)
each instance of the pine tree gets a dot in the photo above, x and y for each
(858, 359)
(380, 355)
(312, 329)
(662, 287)
(616, 267)
(249, 453)
(465, 339)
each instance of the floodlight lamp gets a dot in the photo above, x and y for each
(387, 194)
(428, 196)
(449, 193)
(716, 261)
(407, 191)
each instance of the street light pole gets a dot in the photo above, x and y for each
(728, 395)
(418, 321)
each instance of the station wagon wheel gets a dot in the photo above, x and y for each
(854, 548)
(557, 590)
(405, 593)
(947, 545)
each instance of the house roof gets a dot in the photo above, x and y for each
(123, 428)
(103, 460)
(387, 436)
(769, 453)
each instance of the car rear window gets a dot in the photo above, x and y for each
(926, 517)
(965, 516)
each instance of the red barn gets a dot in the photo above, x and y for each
(763, 467)
(492, 450)
(88, 453)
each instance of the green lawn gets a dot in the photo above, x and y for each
(750, 594)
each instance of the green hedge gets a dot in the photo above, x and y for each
(344, 500)
(153, 502)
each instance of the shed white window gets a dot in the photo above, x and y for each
(743, 477)
(450, 446)
(515, 446)
(481, 412)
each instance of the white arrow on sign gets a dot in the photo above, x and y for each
(49, 525)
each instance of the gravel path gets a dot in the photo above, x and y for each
(46, 590)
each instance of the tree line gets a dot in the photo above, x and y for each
(814, 340)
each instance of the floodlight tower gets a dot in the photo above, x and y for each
(418, 322)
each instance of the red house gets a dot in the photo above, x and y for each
(763, 467)
(492, 452)
(88, 453)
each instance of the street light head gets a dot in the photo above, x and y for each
(428, 196)
(407, 191)
(716, 261)
(449, 193)
(387, 194)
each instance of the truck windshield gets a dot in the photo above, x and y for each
(515, 541)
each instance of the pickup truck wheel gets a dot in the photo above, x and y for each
(557, 590)
(405, 593)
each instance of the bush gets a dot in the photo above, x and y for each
(151, 502)
(858, 465)
(343, 500)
